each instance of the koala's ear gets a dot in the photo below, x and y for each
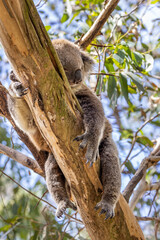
(88, 62)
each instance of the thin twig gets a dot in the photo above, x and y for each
(154, 76)
(105, 74)
(148, 219)
(135, 136)
(101, 45)
(41, 199)
(3, 237)
(123, 16)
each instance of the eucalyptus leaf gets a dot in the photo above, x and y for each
(124, 86)
(137, 81)
(111, 86)
(64, 17)
(149, 62)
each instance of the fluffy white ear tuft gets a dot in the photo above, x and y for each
(88, 62)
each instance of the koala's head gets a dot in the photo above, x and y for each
(76, 63)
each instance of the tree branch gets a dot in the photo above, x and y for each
(148, 219)
(141, 189)
(21, 158)
(145, 164)
(98, 24)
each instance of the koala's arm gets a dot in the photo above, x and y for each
(94, 122)
(22, 115)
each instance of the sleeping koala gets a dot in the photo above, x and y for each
(97, 137)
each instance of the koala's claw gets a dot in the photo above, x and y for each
(92, 152)
(13, 77)
(72, 205)
(19, 89)
(102, 212)
(106, 209)
(62, 206)
(78, 138)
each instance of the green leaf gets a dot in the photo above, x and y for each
(5, 228)
(145, 46)
(109, 65)
(47, 28)
(137, 80)
(74, 16)
(154, 1)
(144, 141)
(130, 167)
(149, 62)
(118, 8)
(119, 56)
(114, 98)
(124, 86)
(119, 59)
(156, 123)
(131, 90)
(126, 133)
(111, 86)
(137, 57)
(64, 17)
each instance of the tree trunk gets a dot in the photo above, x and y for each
(57, 114)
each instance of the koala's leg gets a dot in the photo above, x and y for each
(110, 177)
(94, 122)
(56, 185)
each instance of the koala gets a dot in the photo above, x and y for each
(97, 137)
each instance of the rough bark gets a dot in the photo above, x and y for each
(55, 110)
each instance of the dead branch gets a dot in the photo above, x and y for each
(142, 188)
(98, 24)
(145, 164)
(21, 158)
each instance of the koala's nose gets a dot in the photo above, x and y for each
(78, 76)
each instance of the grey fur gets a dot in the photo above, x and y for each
(97, 136)
(98, 131)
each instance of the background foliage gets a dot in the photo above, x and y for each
(126, 77)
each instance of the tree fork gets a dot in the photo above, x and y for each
(55, 110)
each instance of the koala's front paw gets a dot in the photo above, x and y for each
(106, 209)
(19, 89)
(92, 152)
(63, 205)
(13, 77)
